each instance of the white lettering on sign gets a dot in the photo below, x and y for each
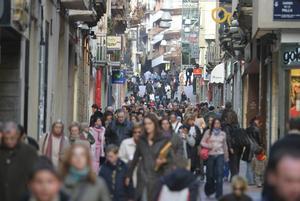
(292, 56)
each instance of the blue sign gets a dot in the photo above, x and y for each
(118, 76)
(286, 10)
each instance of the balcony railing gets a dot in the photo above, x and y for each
(76, 4)
(213, 54)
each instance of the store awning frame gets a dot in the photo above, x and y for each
(159, 60)
(218, 74)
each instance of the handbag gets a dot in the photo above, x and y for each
(203, 153)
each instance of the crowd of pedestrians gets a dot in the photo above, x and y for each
(140, 152)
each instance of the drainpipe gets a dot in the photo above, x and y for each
(41, 86)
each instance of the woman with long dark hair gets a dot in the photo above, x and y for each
(151, 166)
(214, 140)
(168, 132)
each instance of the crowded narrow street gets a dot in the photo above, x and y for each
(149, 100)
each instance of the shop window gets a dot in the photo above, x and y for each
(295, 93)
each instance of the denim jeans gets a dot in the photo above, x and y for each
(250, 174)
(214, 173)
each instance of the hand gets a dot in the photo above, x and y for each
(127, 181)
(160, 161)
(231, 151)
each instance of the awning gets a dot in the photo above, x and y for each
(157, 38)
(218, 74)
(159, 60)
(156, 16)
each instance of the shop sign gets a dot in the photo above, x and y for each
(197, 72)
(290, 55)
(118, 76)
(114, 43)
(286, 10)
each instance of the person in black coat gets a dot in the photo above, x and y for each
(96, 114)
(16, 159)
(118, 130)
(114, 172)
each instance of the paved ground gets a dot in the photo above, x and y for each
(253, 192)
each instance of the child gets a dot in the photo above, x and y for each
(259, 164)
(85, 130)
(44, 183)
(114, 173)
(239, 188)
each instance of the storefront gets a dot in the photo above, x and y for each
(289, 86)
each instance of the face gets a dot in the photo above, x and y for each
(74, 132)
(121, 117)
(133, 119)
(45, 186)
(94, 109)
(149, 125)
(191, 122)
(210, 120)
(109, 118)
(286, 179)
(173, 118)
(57, 130)
(79, 158)
(217, 124)
(140, 117)
(112, 157)
(11, 138)
(238, 190)
(98, 122)
(136, 133)
(165, 125)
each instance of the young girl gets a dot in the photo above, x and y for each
(98, 132)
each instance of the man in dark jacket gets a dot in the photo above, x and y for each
(114, 173)
(118, 130)
(16, 161)
(96, 113)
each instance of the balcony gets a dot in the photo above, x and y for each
(213, 54)
(76, 4)
(82, 15)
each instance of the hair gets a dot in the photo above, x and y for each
(21, 130)
(137, 126)
(74, 124)
(83, 126)
(57, 122)
(188, 117)
(66, 163)
(106, 114)
(213, 125)
(43, 163)
(8, 126)
(153, 117)
(287, 146)
(112, 148)
(294, 124)
(200, 121)
(165, 119)
(231, 118)
(238, 180)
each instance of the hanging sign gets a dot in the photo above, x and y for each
(114, 43)
(286, 10)
(118, 76)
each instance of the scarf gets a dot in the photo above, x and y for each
(48, 151)
(78, 175)
(216, 131)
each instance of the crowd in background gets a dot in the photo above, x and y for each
(147, 153)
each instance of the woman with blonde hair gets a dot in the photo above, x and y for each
(80, 181)
(239, 188)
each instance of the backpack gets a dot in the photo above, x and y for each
(239, 138)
